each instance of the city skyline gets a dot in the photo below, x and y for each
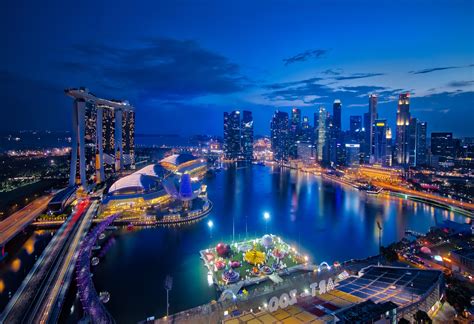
(169, 72)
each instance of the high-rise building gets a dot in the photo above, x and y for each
(355, 126)
(412, 128)
(380, 141)
(336, 115)
(279, 135)
(128, 126)
(370, 132)
(247, 136)
(306, 152)
(403, 125)
(306, 130)
(232, 140)
(352, 153)
(442, 145)
(365, 139)
(421, 145)
(336, 146)
(322, 144)
(97, 139)
(294, 132)
(388, 136)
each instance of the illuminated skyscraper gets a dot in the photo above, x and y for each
(232, 135)
(322, 144)
(380, 141)
(295, 132)
(355, 126)
(96, 133)
(128, 126)
(412, 128)
(442, 145)
(336, 115)
(370, 133)
(246, 132)
(388, 136)
(279, 136)
(421, 145)
(403, 127)
(306, 130)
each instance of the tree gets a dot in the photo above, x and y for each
(389, 253)
(422, 318)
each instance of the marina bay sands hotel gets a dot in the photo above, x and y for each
(103, 137)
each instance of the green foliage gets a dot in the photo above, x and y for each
(389, 253)
(422, 318)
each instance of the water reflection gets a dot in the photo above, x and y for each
(324, 220)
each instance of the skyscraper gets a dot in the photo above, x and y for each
(97, 139)
(421, 145)
(412, 128)
(336, 146)
(365, 139)
(388, 136)
(442, 145)
(295, 132)
(232, 135)
(128, 126)
(372, 117)
(279, 135)
(402, 134)
(247, 136)
(336, 115)
(306, 130)
(355, 126)
(380, 141)
(322, 136)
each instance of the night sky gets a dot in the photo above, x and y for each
(182, 63)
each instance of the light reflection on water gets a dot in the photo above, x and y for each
(325, 220)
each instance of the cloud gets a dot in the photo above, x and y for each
(306, 55)
(356, 76)
(460, 84)
(332, 72)
(161, 67)
(429, 70)
(313, 91)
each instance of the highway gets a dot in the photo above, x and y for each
(22, 218)
(57, 289)
(439, 199)
(35, 300)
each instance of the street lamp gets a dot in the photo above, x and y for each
(266, 217)
(210, 224)
(380, 240)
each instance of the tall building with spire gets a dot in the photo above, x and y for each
(402, 155)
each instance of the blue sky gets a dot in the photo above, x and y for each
(182, 63)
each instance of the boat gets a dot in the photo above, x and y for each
(370, 189)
